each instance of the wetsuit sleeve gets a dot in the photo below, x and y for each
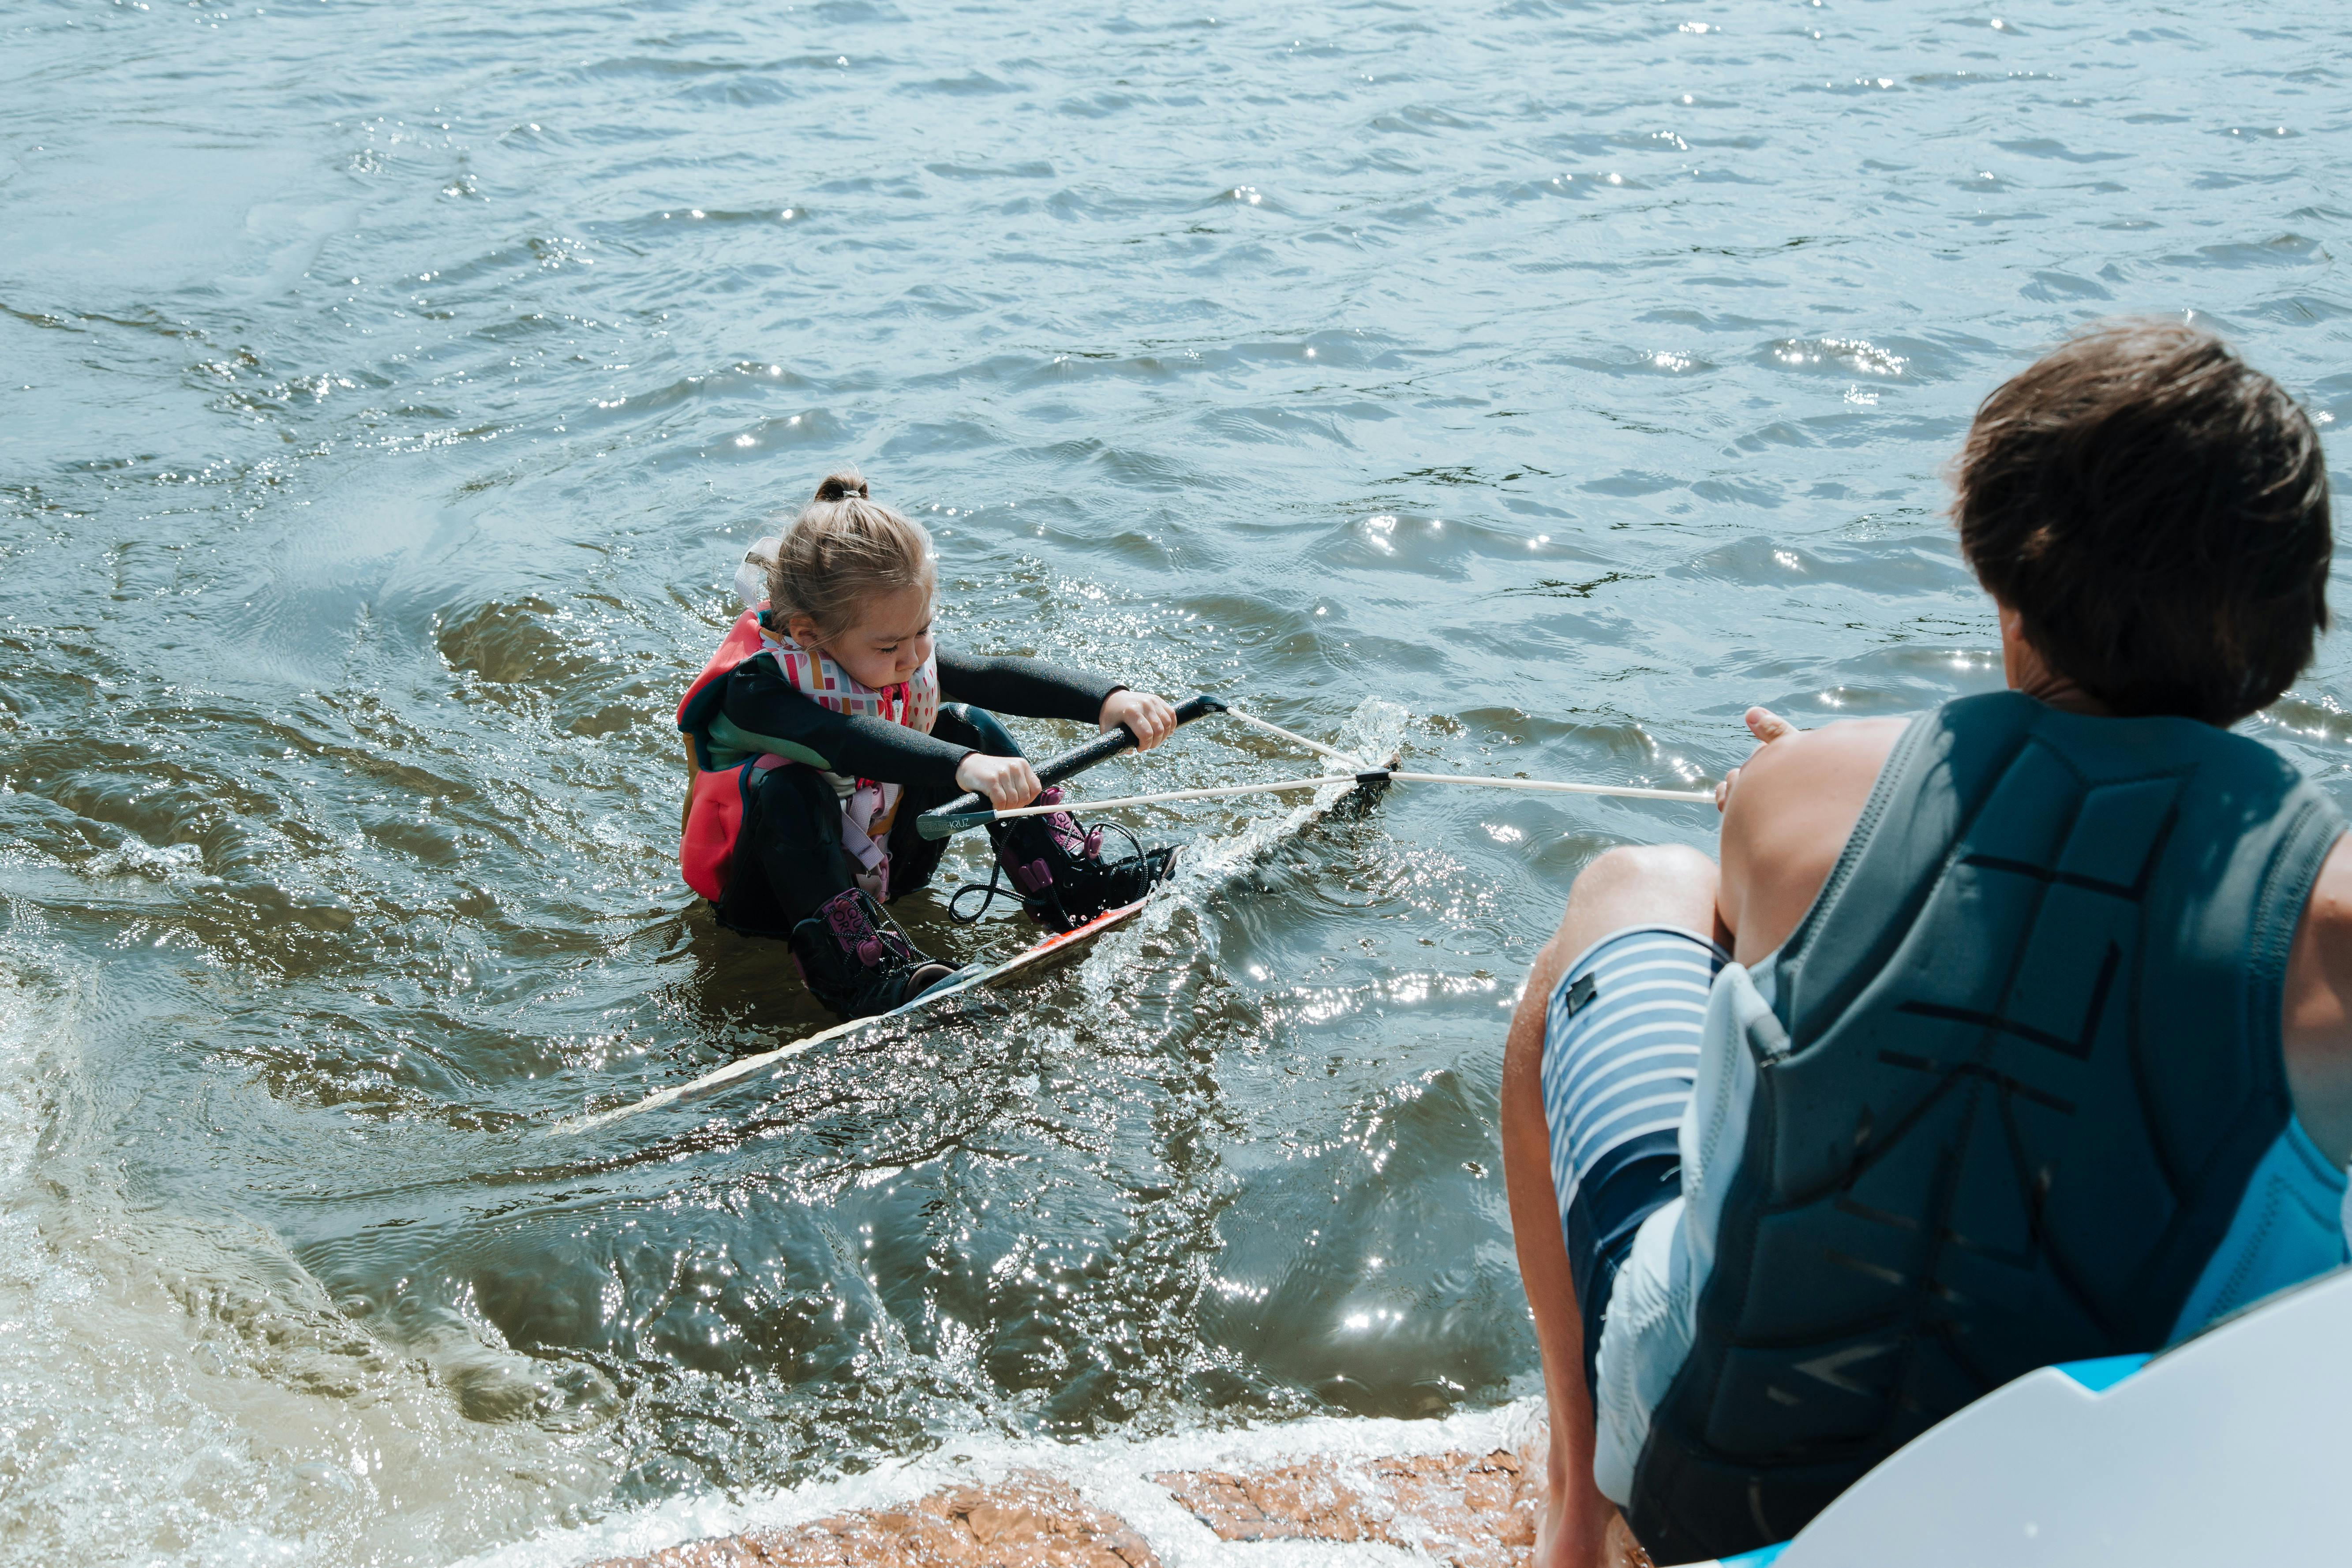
(1024, 687)
(765, 709)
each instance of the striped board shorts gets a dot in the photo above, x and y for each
(1621, 1053)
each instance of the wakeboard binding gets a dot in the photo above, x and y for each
(1057, 870)
(856, 960)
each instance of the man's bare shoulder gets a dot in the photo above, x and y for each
(1789, 814)
(1801, 762)
(1809, 780)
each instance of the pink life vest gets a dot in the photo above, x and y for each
(716, 785)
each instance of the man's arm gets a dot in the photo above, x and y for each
(2318, 1011)
(1787, 813)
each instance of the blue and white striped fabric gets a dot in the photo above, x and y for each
(1621, 1045)
(1621, 1052)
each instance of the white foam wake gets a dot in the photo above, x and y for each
(1209, 865)
(175, 1388)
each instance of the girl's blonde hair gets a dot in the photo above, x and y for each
(844, 550)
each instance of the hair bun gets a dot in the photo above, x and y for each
(841, 485)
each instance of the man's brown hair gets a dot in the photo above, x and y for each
(2156, 511)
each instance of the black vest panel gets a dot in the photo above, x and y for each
(2033, 1058)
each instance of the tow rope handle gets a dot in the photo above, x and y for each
(972, 810)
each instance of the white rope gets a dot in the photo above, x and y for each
(1218, 792)
(1352, 761)
(1221, 792)
(1629, 792)
(745, 1067)
(1546, 786)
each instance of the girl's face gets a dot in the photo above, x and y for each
(887, 643)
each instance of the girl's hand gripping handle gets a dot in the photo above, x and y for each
(1148, 716)
(1004, 781)
(972, 810)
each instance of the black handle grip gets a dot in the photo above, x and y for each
(936, 823)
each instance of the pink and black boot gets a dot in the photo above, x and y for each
(1058, 869)
(856, 960)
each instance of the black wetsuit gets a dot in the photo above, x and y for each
(789, 857)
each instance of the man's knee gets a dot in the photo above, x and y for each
(1638, 869)
(1632, 885)
(1636, 885)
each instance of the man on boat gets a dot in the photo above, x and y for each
(2010, 1034)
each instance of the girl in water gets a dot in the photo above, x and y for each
(827, 721)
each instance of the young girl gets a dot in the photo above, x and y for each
(826, 722)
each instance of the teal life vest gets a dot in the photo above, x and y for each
(2032, 1060)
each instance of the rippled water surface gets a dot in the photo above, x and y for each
(385, 392)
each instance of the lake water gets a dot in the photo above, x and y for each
(386, 392)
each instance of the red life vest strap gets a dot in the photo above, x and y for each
(694, 708)
(714, 796)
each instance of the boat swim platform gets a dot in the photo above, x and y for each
(2229, 1446)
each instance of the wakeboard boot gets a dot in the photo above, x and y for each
(856, 960)
(1058, 867)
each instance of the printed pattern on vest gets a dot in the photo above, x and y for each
(2005, 1007)
(915, 703)
(867, 805)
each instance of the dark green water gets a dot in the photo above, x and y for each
(386, 392)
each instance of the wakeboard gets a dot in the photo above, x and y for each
(1062, 944)
(1384, 718)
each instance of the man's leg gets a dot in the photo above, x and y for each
(1632, 886)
